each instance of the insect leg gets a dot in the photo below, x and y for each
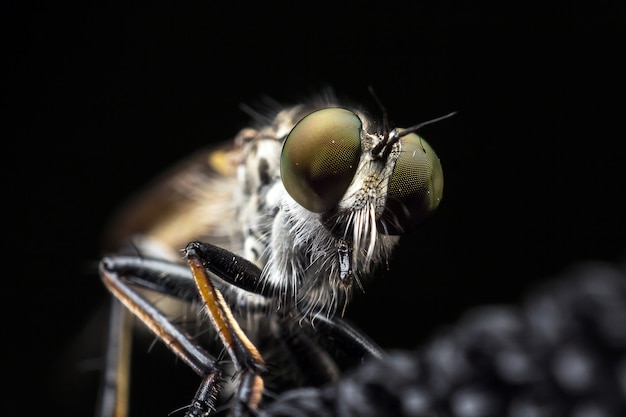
(242, 273)
(229, 267)
(347, 337)
(113, 400)
(246, 357)
(119, 274)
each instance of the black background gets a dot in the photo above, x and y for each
(102, 101)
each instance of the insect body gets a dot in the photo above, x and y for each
(284, 224)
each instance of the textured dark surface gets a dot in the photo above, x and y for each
(561, 353)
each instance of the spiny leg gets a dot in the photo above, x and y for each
(175, 280)
(118, 275)
(246, 358)
(308, 356)
(240, 272)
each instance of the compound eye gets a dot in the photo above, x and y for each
(320, 157)
(415, 187)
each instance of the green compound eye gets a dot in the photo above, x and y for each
(415, 187)
(320, 157)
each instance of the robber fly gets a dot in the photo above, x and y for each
(266, 238)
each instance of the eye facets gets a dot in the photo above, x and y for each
(320, 157)
(415, 187)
